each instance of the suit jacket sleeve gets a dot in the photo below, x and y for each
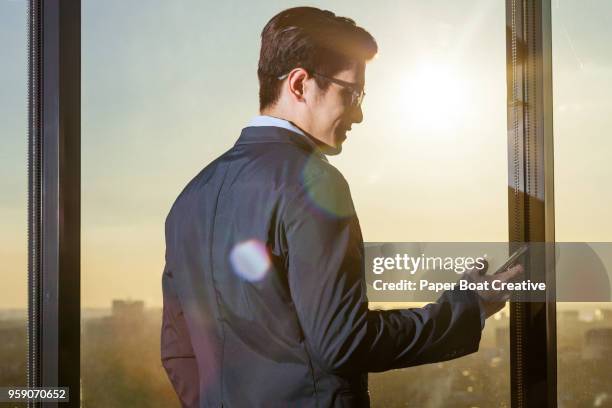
(327, 283)
(177, 353)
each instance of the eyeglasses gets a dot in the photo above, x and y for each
(357, 93)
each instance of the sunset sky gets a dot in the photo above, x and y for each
(167, 87)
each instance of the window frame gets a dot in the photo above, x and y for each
(533, 337)
(54, 178)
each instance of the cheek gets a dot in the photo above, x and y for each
(330, 115)
(332, 111)
(337, 114)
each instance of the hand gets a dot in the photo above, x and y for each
(492, 301)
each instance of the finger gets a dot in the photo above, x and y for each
(515, 273)
(511, 273)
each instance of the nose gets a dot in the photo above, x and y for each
(357, 115)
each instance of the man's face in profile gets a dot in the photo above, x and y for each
(332, 112)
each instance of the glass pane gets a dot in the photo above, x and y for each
(137, 114)
(582, 73)
(169, 89)
(429, 163)
(14, 197)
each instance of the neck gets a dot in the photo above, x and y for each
(281, 113)
(277, 113)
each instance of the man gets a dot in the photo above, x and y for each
(264, 290)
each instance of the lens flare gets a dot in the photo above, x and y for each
(250, 260)
(326, 196)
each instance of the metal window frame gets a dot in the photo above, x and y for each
(533, 337)
(54, 175)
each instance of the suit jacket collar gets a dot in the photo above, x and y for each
(274, 134)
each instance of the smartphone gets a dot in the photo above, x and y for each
(513, 258)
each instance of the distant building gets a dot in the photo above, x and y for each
(13, 355)
(605, 315)
(128, 309)
(568, 316)
(598, 344)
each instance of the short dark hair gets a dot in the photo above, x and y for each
(312, 39)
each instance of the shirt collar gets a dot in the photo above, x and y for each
(277, 134)
(265, 120)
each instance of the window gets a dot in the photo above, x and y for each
(434, 118)
(154, 112)
(582, 74)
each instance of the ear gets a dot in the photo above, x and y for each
(297, 83)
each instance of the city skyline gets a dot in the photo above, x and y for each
(111, 340)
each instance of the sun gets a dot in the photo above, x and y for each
(435, 97)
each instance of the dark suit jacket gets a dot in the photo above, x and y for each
(264, 289)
